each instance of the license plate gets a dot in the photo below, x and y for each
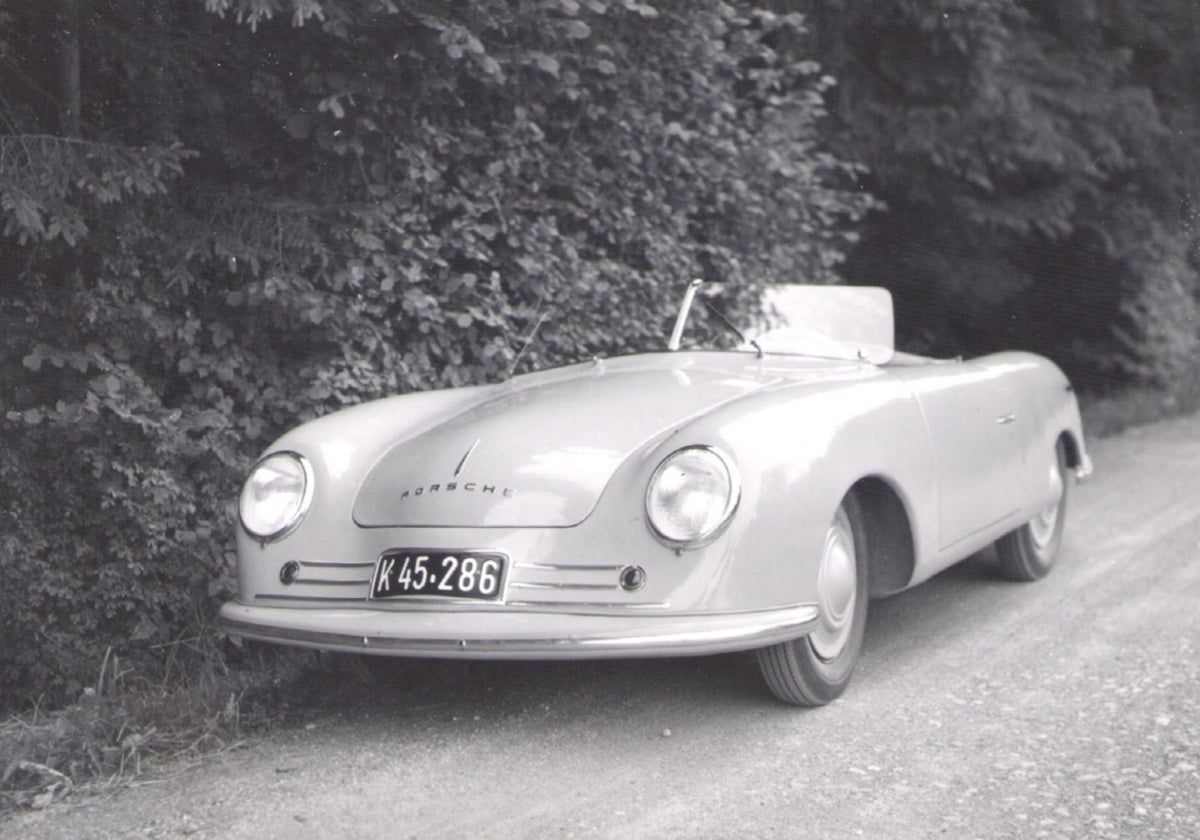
(446, 574)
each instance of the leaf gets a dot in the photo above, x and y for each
(547, 63)
(577, 30)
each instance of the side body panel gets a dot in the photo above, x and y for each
(994, 423)
(971, 414)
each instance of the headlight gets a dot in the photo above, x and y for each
(276, 495)
(691, 496)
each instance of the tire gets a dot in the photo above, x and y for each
(815, 669)
(1028, 553)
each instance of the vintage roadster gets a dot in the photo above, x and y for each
(667, 503)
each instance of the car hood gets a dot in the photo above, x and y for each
(539, 451)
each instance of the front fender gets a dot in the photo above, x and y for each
(799, 450)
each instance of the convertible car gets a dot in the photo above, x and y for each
(668, 503)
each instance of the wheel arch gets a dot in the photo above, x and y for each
(891, 547)
(1071, 449)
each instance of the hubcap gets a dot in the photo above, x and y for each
(1043, 526)
(837, 589)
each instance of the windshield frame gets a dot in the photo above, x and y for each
(854, 323)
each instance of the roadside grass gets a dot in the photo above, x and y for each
(200, 700)
(1104, 416)
(202, 695)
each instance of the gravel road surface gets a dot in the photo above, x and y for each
(1067, 708)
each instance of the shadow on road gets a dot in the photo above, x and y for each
(897, 630)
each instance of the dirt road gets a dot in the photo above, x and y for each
(1069, 708)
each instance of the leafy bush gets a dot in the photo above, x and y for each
(1160, 337)
(265, 218)
(1036, 164)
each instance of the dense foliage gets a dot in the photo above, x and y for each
(1036, 163)
(221, 217)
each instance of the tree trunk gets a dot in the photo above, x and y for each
(69, 94)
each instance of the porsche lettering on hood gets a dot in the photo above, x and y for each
(460, 487)
(537, 455)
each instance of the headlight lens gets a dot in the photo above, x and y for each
(276, 495)
(691, 496)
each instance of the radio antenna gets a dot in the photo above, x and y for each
(528, 340)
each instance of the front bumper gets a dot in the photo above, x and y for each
(517, 635)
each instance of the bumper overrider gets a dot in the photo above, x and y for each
(517, 635)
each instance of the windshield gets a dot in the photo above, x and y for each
(840, 322)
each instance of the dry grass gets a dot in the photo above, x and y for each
(1112, 414)
(127, 723)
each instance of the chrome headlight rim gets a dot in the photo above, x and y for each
(301, 508)
(732, 500)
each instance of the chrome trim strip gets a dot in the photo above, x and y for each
(398, 604)
(562, 567)
(325, 564)
(595, 605)
(518, 585)
(326, 599)
(318, 582)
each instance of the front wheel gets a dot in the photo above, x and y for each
(1028, 553)
(815, 669)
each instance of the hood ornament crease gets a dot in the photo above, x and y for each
(463, 463)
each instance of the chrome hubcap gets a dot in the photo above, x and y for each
(1043, 526)
(837, 589)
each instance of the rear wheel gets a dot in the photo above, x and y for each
(1029, 552)
(815, 669)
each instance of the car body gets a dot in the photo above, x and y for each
(667, 503)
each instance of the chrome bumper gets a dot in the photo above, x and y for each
(517, 635)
